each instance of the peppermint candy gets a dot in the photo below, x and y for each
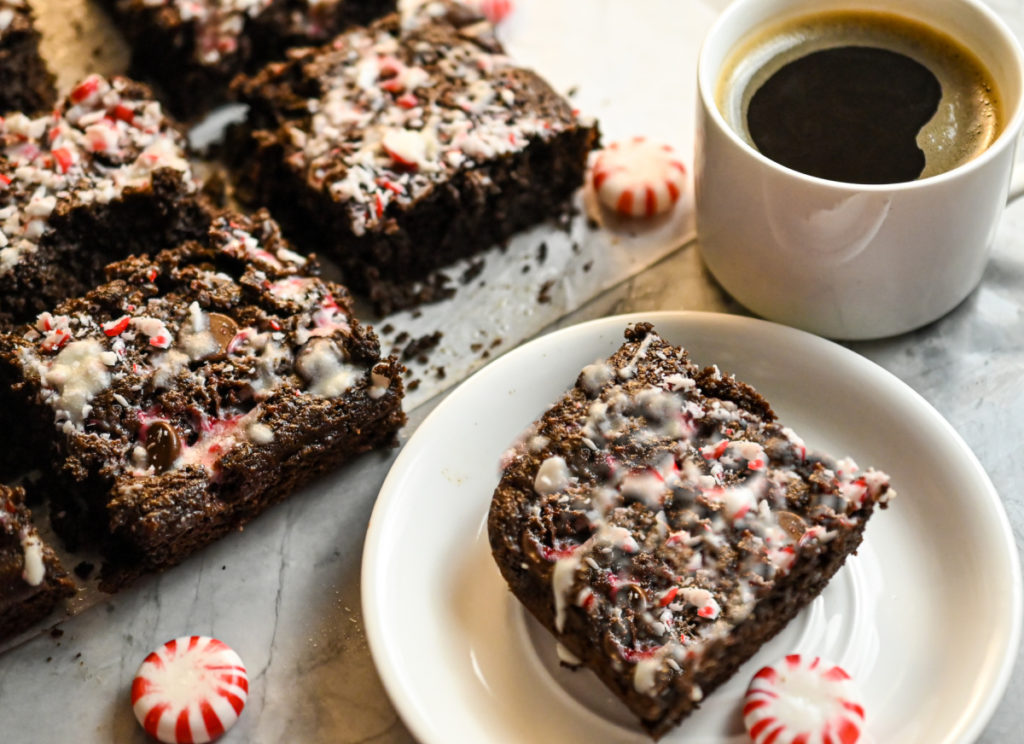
(190, 690)
(803, 700)
(638, 178)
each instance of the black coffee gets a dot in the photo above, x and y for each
(860, 97)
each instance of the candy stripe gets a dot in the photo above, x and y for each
(802, 701)
(190, 691)
(638, 178)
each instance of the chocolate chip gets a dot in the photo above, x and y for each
(223, 329)
(792, 524)
(162, 445)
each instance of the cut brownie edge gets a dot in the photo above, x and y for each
(662, 525)
(32, 580)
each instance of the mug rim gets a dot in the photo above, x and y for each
(1006, 138)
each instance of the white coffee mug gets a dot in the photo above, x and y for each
(850, 261)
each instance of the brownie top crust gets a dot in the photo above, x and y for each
(106, 138)
(385, 114)
(661, 502)
(183, 362)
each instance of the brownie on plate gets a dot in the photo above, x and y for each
(32, 580)
(103, 176)
(403, 146)
(662, 525)
(192, 390)
(193, 48)
(25, 82)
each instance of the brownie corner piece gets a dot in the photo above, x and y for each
(25, 82)
(32, 580)
(196, 388)
(402, 147)
(662, 525)
(191, 49)
(103, 176)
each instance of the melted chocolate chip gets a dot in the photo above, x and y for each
(162, 446)
(223, 329)
(792, 524)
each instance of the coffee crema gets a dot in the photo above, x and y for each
(860, 97)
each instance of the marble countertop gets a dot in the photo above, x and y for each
(285, 593)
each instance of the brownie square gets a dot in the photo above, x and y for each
(103, 176)
(663, 525)
(25, 82)
(401, 147)
(180, 399)
(32, 581)
(192, 49)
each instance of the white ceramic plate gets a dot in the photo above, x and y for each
(927, 617)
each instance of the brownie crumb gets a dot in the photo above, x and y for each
(542, 253)
(475, 347)
(84, 569)
(418, 347)
(544, 296)
(576, 248)
(402, 337)
(496, 342)
(588, 266)
(472, 271)
(56, 632)
(526, 269)
(417, 313)
(388, 329)
(486, 354)
(413, 384)
(440, 373)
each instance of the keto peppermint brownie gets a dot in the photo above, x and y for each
(193, 48)
(401, 147)
(103, 176)
(662, 524)
(25, 82)
(32, 580)
(194, 389)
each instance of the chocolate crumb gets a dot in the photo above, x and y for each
(544, 296)
(413, 384)
(572, 91)
(526, 269)
(496, 342)
(575, 247)
(441, 374)
(542, 253)
(588, 266)
(417, 348)
(472, 271)
(388, 329)
(475, 347)
(402, 337)
(56, 632)
(417, 313)
(486, 355)
(84, 569)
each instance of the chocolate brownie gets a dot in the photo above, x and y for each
(25, 82)
(193, 48)
(32, 580)
(401, 147)
(662, 524)
(102, 177)
(194, 389)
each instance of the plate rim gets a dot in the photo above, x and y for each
(398, 694)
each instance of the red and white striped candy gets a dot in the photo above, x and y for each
(190, 690)
(638, 178)
(803, 700)
(495, 11)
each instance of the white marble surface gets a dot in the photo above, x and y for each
(285, 592)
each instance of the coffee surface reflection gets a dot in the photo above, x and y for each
(860, 97)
